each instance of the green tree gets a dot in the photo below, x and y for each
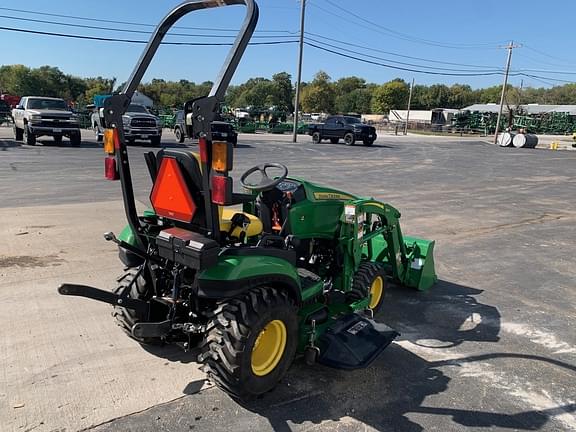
(391, 95)
(319, 95)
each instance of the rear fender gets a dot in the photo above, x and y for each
(233, 275)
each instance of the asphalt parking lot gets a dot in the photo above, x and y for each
(492, 346)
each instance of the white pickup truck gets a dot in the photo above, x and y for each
(38, 116)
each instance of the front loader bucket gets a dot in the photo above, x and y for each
(420, 273)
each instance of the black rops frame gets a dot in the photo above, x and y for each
(203, 109)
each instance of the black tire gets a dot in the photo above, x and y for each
(99, 137)
(126, 318)
(75, 139)
(231, 336)
(316, 138)
(58, 139)
(18, 134)
(368, 142)
(334, 140)
(179, 135)
(349, 139)
(155, 140)
(367, 274)
(29, 138)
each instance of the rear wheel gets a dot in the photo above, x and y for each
(334, 140)
(316, 137)
(29, 137)
(251, 342)
(179, 135)
(18, 134)
(369, 280)
(126, 318)
(97, 133)
(349, 139)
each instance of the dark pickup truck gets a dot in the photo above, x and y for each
(350, 129)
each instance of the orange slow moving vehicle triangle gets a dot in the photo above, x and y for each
(170, 196)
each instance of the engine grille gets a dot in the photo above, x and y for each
(143, 122)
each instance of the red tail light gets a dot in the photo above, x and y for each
(110, 170)
(203, 144)
(221, 190)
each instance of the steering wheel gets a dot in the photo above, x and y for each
(266, 183)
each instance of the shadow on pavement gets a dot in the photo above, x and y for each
(399, 381)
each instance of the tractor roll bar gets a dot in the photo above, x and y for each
(116, 105)
(234, 56)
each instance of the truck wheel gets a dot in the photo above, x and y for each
(316, 138)
(179, 135)
(349, 139)
(75, 139)
(58, 139)
(29, 138)
(250, 342)
(97, 133)
(368, 142)
(126, 318)
(18, 134)
(334, 140)
(155, 140)
(369, 280)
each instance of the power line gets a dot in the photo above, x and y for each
(404, 63)
(24, 11)
(105, 39)
(410, 38)
(396, 54)
(131, 30)
(398, 67)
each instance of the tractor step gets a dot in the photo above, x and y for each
(353, 342)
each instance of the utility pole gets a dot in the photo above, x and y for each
(510, 47)
(299, 77)
(409, 104)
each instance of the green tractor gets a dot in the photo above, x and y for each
(249, 280)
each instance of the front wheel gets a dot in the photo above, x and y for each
(251, 342)
(349, 139)
(75, 139)
(368, 142)
(29, 137)
(316, 137)
(369, 281)
(18, 134)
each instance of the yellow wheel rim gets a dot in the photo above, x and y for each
(268, 348)
(376, 291)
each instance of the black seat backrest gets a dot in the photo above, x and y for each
(192, 174)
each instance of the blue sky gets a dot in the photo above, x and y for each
(463, 33)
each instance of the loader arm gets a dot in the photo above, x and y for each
(371, 231)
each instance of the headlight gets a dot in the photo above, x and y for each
(126, 121)
(35, 117)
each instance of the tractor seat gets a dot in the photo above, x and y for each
(253, 229)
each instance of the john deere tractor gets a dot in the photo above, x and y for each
(249, 280)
